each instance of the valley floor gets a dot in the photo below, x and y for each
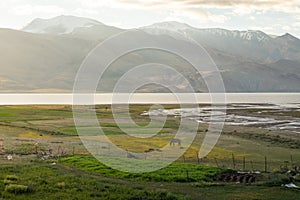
(50, 161)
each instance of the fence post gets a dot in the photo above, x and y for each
(266, 164)
(216, 162)
(58, 150)
(233, 161)
(36, 149)
(198, 159)
(187, 175)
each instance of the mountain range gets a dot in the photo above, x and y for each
(46, 54)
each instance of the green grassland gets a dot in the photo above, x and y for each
(85, 179)
(45, 181)
(176, 172)
(38, 123)
(77, 175)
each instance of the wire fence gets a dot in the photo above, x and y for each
(260, 163)
(244, 163)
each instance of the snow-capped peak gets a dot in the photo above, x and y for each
(59, 25)
(254, 35)
(249, 35)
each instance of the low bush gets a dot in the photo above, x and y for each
(11, 178)
(17, 189)
(61, 185)
(8, 182)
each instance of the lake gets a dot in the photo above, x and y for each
(152, 98)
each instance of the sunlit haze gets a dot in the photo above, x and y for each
(273, 16)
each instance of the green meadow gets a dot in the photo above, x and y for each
(50, 161)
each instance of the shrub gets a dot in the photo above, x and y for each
(17, 189)
(297, 177)
(8, 182)
(11, 178)
(277, 180)
(61, 185)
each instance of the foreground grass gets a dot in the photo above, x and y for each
(176, 172)
(44, 181)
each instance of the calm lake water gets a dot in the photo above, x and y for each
(154, 98)
(275, 101)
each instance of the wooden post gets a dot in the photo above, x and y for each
(187, 175)
(216, 162)
(244, 163)
(58, 150)
(36, 149)
(1, 143)
(266, 164)
(50, 152)
(198, 159)
(1, 146)
(233, 161)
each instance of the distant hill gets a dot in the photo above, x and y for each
(46, 54)
(59, 25)
(35, 61)
(251, 44)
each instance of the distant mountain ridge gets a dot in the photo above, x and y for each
(252, 44)
(59, 25)
(50, 51)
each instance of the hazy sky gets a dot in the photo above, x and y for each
(271, 16)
